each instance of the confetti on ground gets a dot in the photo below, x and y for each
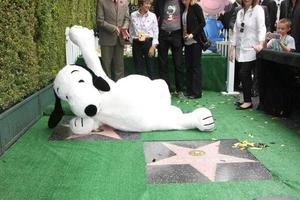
(251, 145)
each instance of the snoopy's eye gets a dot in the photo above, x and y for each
(67, 97)
(81, 81)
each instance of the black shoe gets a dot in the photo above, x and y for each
(194, 96)
(180, 95)
(241, 108)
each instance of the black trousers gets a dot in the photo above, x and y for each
(236, 76)
(245, 69)
(173, 41)
(193, 54)
(140, 58)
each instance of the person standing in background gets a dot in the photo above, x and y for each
(143, 31)
(272, 10)
(112, 20)
(248, 37)
(290, 9)
(169, 14)
(193, 23)
(229, 16)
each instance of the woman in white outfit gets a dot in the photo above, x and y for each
(248, 37)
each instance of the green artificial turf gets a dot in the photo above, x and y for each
(36, 168)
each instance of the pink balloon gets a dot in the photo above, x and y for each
(213, 7)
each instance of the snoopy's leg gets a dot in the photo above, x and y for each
(83, 125)
(85, 39)
(200, 118)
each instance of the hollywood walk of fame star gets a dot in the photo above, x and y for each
(103, 130)
(204, 159)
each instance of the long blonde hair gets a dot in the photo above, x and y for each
(193, 2)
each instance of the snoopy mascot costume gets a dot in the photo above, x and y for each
(134, 103)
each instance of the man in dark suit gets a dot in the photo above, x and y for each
(168, 13)
(272, 10)
(229, 16)
(290, 9)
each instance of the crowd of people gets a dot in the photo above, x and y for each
(175, 24)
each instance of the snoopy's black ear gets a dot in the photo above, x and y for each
(56, 114)
(100, 83)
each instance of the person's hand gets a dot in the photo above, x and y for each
(231, 54)
(124, 33)
(190, 36)
(268, 36)
(117, 31)
(258, 47)
(151, 52)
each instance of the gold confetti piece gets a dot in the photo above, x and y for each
(214, 139)
(245, 144)
(282, 145)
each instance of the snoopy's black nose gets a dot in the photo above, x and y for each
(90, 110)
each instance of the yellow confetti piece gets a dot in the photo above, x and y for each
(282, 145)
(214, 139)
(266, 122)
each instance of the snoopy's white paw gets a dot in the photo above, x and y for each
(79, 34)
(82, 125)
(204, 119)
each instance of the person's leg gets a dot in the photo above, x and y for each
(163, 49)
(176, 47)
(138, 57)
(255, 81)
(118, 61)
(188, 66)
(106, 59)
(246, 79)
(196, 70)
(236, 76)
(149, 60)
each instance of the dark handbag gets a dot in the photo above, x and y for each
(204, 42)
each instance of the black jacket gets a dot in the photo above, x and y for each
(195, 22)
(229, 16)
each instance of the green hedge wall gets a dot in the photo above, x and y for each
(32, 42)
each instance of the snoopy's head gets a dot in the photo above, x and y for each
(80, 87)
